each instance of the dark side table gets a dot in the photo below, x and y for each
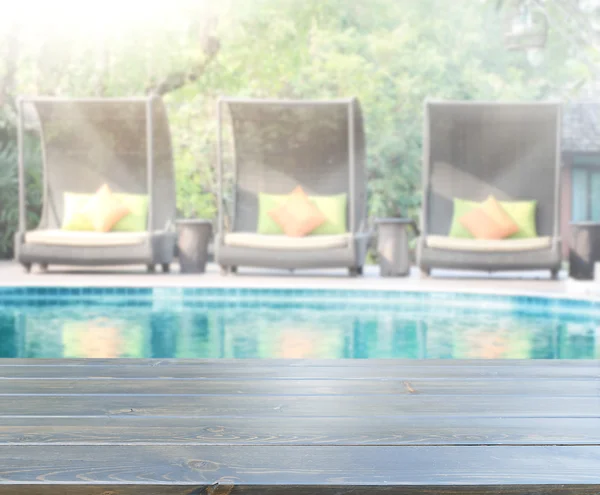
(193, 237)
(392, 246)
(584, 249)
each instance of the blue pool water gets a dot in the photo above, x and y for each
(246, 323)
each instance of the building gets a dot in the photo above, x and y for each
(580, 195)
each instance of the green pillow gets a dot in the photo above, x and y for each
(72, 217)
(266, 203)
(522, 212)
(460, 208)
(333, 207)
(136, 221)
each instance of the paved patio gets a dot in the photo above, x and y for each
(12, 274)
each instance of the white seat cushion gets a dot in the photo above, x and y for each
(88, 239)
(502, 245)
(262, 241)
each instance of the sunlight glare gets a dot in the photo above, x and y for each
(107, 17)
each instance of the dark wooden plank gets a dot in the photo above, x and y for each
(432, 386)
(281, 465)
(273, 406)
(258, 371)
(300, 428)
(225, 488)
(434, 430)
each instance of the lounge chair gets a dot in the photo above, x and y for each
(124, 143)
(472, 150)
(279, 145)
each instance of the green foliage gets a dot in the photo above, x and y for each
(391, 54)
(9, 193)
(194, 156)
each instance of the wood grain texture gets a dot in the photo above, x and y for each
(299, 465)
(80, 488)
(421, 386)
(293, 406)
(251, 371)
(397, 430)
(168, 427)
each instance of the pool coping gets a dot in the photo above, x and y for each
(11, 276)
(331, 300)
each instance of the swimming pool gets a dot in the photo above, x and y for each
(49, 322)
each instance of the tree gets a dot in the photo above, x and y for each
(45, 55)
(392, 54)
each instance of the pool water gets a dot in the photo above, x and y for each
(40, 323)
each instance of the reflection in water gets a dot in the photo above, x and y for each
(8, 335)
(95, 338)
(481, 343)
(109, 332)
(163, 334)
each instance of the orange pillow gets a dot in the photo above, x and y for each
(297, 215)
(497, 213)
(481, 225)
(104, 210)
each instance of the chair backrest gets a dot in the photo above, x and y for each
(279, 145)
(90, 142)
(474, 149)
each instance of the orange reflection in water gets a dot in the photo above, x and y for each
(96, 339)
(487, 345)
(294, 344)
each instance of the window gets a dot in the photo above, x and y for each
(585, 189)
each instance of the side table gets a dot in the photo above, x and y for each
(392, 246)
(584, 249)
(193, 237)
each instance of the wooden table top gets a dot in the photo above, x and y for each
(120, 427)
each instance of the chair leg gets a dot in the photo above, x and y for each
(166, 267)
(425, 272)
(354, 271)
(26, 267)
(151, 268)
(554, 274)
(43, 267)
(233, 269)
(225, 270)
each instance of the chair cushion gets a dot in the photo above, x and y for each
(88, 239)
(283, 242)
(297, 215)
(496, 245)
(334, 208)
